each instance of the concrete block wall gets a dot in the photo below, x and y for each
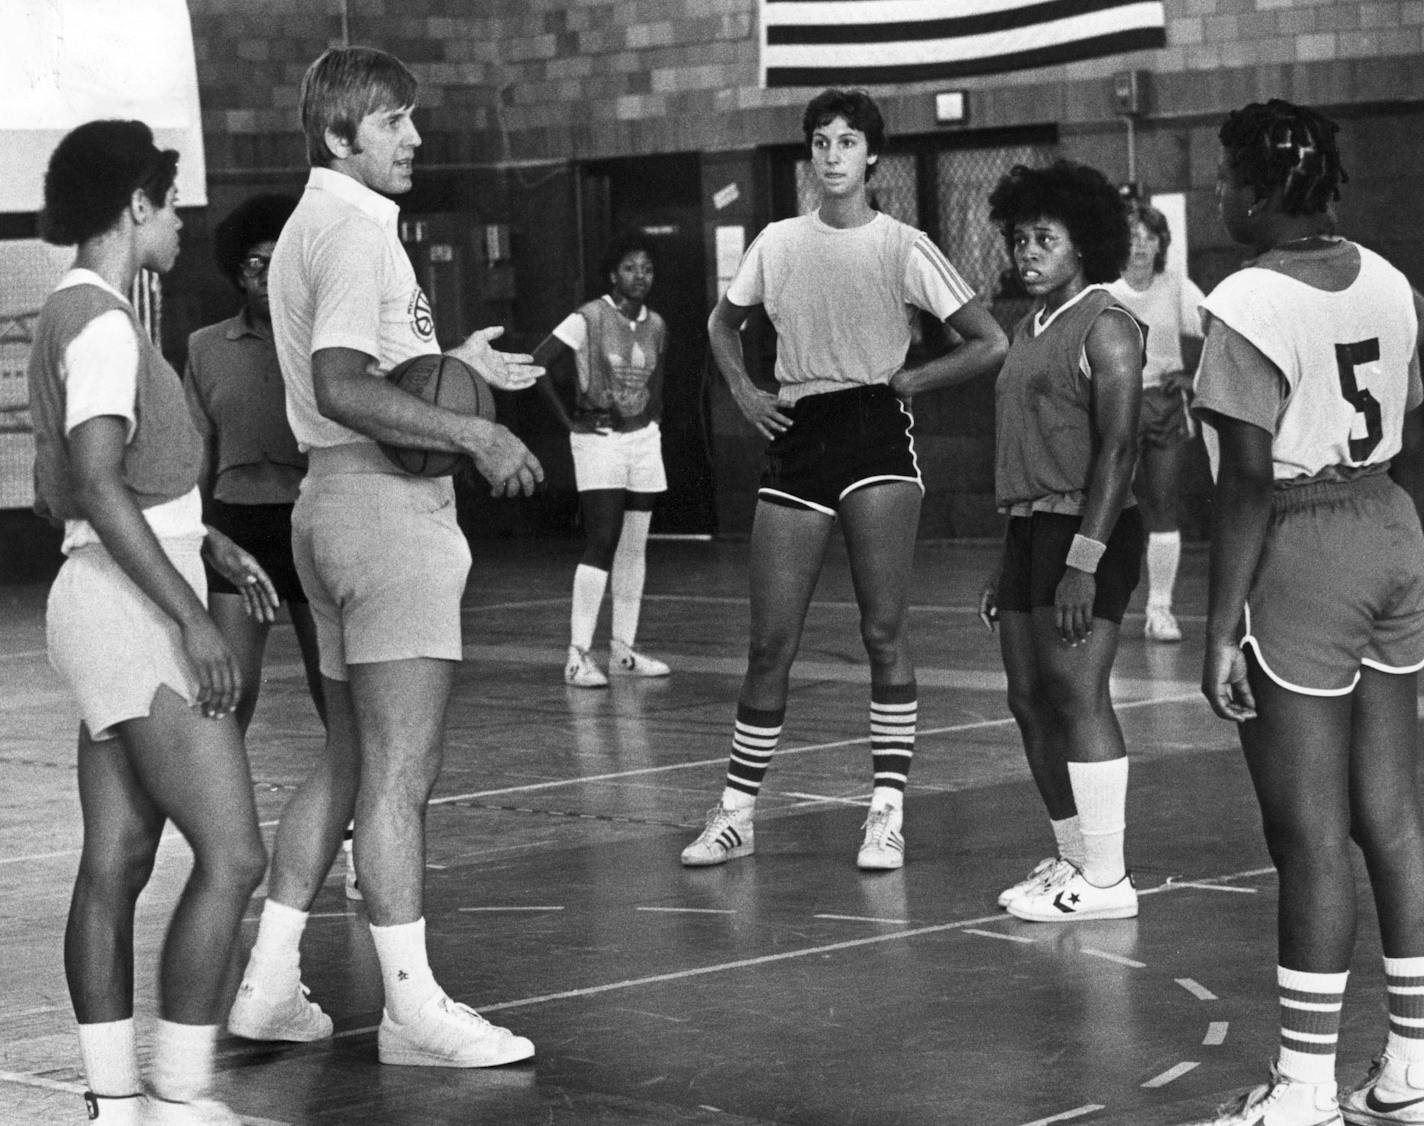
(514, 90)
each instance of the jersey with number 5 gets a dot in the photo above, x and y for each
(1349, 358)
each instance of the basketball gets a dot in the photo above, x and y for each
(446, 382)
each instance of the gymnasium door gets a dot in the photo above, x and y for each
(660, 195)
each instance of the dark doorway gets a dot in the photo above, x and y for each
(661, 195)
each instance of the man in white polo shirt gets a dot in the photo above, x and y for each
(381, 558)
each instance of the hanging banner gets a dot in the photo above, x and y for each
(881, 42)
(64, 62)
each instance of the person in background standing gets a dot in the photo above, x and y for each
(619, 346)
(1168, 303)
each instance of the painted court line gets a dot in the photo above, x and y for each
(997, 934)
(1214, 887)
(688, 910)
(1076, 1112)
(1118, 958)
(1197, 990)
(469, 910)
(860, 919)
(1215, 1033)
(1175, 1072)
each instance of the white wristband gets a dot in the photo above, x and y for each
(1085, 554)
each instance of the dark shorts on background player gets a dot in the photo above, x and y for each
(1340, 584)
(1165, 420)
(265, 530)
(1035, 558)
(838, 442)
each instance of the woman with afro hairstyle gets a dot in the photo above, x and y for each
(1066, 408)
(1315, 612)
(117, 463)
(252, 466)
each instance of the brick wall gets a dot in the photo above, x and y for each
(515, 91)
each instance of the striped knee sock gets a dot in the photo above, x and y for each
(753, 743)
(1310, 1023)
(1404, 983)
(894, 712)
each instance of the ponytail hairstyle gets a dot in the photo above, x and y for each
(1280, 145)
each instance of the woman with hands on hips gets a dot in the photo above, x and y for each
(117, 462)
(1066, 407)
(840, 285)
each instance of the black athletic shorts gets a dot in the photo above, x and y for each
(839, 441)
(266, 531)
(1035, 556)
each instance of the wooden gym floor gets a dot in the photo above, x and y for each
(783, 988)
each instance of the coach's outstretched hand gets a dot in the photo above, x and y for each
(506, 463)
(509, 371)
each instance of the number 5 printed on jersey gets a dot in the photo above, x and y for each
(1348, 357)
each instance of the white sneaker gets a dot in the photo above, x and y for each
(625, 659)
(883, 847)
(1281, 1102)
(727, 835)
(115, 1110)
(1074, 899)
(446, 1033)
(1049, 870)
(1386, 1099)
(580, 671)
(1161, 625)
(199, 1112)
(289, 1016)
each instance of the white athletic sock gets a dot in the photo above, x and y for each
(275, 964)
(183, 1060)
(1310, 1024)
(1100, 794)
(1069, 838)
(405, 968)
(110, 1054)
(1164, 552)
(882, 796)
(589, 584)
(735, 799)
(629, 568)
(1403, 978)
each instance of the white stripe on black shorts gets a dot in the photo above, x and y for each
(839, 441)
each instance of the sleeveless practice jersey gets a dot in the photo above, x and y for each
(1348, 359)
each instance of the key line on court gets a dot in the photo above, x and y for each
(964, 926)
(1215, 1033)
(1108, 956)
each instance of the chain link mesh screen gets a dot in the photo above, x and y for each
(964, 178)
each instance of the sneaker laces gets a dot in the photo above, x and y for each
(877, 825)
(459, 1008)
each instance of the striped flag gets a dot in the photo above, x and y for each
(875, 42)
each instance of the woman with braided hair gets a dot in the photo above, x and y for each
(1315, 618)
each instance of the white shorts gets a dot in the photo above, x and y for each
(111, 643)
(631, 460)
